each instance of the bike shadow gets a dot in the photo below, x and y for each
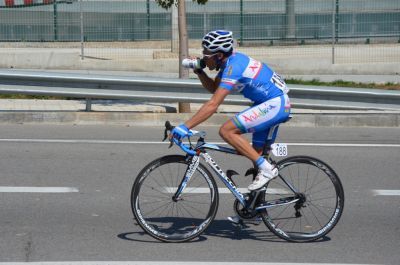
(222, 229)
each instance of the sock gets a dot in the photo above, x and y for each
(263, 164)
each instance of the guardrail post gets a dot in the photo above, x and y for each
(88, 104)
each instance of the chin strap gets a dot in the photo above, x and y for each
(218, 62)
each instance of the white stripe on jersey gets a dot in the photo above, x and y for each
(252, 69)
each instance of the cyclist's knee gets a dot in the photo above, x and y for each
(223, 131)
(226, 130)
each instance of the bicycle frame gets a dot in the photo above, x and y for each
(200, 152)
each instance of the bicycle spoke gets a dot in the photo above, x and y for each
(319, 191)
(197, 209)
(151, 202)
(284, 209)
(313, 180)
(315, 216)
(308, 171)
(184, 208)
(305, 217)
(166, 184)
(193, 194)
(298, 177)
(318, 208)
(324, 198)
(159, 192)
(318, 184)
(294, 224)
(156, 209)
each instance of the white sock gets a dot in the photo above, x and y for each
(265, 166)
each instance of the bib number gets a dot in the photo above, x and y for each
(279, 149)
(278, 81)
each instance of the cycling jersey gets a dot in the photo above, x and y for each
(255, 80)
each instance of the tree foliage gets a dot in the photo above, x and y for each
(168, 3)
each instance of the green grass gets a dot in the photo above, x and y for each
(341, 83)
(20, 96)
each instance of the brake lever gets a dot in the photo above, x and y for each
(168, 127)
(165, 135)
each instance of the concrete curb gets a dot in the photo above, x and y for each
(301, 119)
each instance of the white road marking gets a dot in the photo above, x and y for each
(386, 192)
(88, 141)
(38, 189)
(343, 145)
(163, 263)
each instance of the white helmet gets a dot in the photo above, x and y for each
(218, 41)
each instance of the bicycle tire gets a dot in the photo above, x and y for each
(309, 222)
(176, 220)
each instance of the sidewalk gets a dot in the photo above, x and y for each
(25, 111)
(360, 59)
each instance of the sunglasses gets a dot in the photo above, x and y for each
(208, 56)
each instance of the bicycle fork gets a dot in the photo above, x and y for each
(195, 161)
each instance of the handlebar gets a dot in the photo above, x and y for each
(184, 147)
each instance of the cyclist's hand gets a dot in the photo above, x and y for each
(180, 132)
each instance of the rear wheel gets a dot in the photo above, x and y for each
(319, 199)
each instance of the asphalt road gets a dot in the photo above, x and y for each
(97, 166)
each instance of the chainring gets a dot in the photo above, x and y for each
(242, 212)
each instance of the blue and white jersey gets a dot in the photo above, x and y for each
(255, 80)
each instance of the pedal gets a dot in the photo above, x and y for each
(230, 173)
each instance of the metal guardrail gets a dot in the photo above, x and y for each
(96, 86)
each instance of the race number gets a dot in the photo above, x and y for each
(279, 82)
(279, 149)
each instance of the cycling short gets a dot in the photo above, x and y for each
(262, 120)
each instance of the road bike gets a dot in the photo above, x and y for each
(175, 197)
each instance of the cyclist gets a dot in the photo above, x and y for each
(257, 82)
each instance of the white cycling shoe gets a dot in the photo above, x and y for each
(262, 178)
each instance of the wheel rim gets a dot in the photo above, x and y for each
(319, 207)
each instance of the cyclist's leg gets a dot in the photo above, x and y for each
(233, 136)
(269, 114)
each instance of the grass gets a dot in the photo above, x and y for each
(21, 96)
(313, 82)
(341, 83)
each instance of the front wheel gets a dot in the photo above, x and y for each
(160, 213)
(316, 200)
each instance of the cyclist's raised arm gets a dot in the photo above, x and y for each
(208, 83)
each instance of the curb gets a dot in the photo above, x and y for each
(301, 119)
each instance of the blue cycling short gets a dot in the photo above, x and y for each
(262, 120)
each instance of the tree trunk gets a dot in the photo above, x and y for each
(183, 49)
